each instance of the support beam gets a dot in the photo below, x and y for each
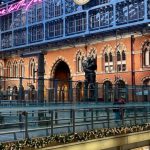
(41, 71)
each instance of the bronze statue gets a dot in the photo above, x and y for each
(89, 67)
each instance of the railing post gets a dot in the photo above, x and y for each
(96, 92)
(85, 90)
(56, 117)
(73, 123)
(123, 114)
(108, 117)
(15, 137)
(146, 114)
(71, 116)
(52, 124)
(84, 115)
(70, 91)
(135, 115)
(96, 114)
(92, 119)
(26, 124)
(20, 89)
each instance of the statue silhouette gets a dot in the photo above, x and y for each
(89, 67)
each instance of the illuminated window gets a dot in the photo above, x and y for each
(1, 69)
(146, 54)
(31, 68)
(79, 60)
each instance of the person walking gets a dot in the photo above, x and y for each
(119, 111)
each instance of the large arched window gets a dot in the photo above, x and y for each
(1, 70)
(108, 92)
(121, 58)
(108, 59)
(15, 69)
(120, 89)
(146, 54)
(79, 60)
(9, 69)
(21, 69)
(31, 68)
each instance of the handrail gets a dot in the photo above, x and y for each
(69, 120)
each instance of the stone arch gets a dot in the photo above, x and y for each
(121, 46)
(146, 53)
(56, 62)
(146, 80)
(120, 89)
(92, 51)
(79, 59)
(120, 79)
(107, 48)
(76, 53)
(107, 79)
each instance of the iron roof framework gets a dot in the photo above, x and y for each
(54, 21)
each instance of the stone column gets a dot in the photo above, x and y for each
(40, 77)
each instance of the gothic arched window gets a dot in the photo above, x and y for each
(118, 56)
(121, 58)
(1, 70)
(31, 68)
(9, 69)
(15, 69)
(21, 69)
(146, 54)
(79, 60)
(108, 59)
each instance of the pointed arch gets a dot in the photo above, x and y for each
(108, 58)
(9, 69)
(92, 52)
(32, 66)
(21, 68)
(79, 60)
(146, 53)
(108, 92)
(1, 69)
(15, 69)
(121, 57)
(56, 62)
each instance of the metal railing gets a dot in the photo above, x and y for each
(58, 91)
(17, 125)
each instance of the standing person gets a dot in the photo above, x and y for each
(122, 110)
(119, 111)
(116, 112)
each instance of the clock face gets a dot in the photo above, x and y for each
(81, 2)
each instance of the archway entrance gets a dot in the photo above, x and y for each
(121, 90)
(61, 82)
(108, 93)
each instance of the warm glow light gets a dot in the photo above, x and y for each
(17, 6)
